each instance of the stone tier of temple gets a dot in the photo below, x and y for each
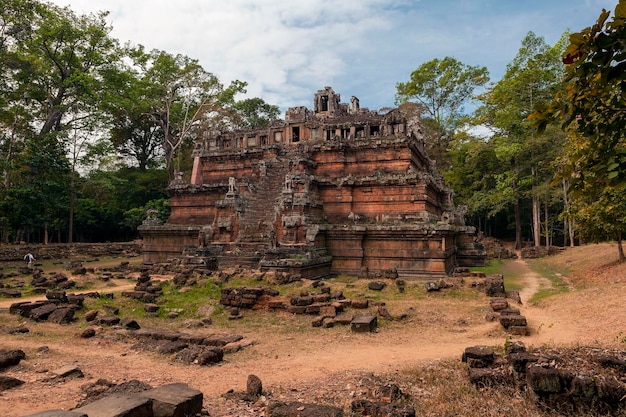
(337, 190)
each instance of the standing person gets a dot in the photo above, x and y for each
(29, 258)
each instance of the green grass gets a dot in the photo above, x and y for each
(553, 274)
(510, 270)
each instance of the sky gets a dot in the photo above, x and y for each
(287, 50)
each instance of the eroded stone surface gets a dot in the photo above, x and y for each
(336, 189)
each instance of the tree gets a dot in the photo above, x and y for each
(593, 101)
(593, 104)
(133, 131)
(52, 82)
(602, 216)
(442, 87)
(532, 77)
(183, 97)
(255, 112)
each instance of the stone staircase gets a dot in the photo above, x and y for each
(257, 221)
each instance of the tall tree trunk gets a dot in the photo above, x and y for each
(547, 223)
(536, 212)
(536, 220)
(70, 232)
(518, 226)
(569, 222)
(620, 248)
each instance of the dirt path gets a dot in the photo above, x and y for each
(282, 359)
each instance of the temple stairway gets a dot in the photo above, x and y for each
(256, 223)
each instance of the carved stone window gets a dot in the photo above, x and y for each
(324, 103)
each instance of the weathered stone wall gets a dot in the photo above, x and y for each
(353, 183)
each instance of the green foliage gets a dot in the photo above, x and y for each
(548, 270)
(522, 158)
(602, 215)
(254, 112)
(136, 215)
(441, 88)
(593, 102)
(592, 110)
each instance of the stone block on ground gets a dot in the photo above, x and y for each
(490, 377)
(8, 382)
(57, 413)
(519, 330)
(118, 405)
(362, 324)
(298, 409)
(68, 371)
(62, 315)
(512, 320)
(174, 400)
(544, 381)
(494, 285)
(359, 304)
(485, 354)
(42, 313)
(254, 386)
(498, 304)
(210, 356)
(11, 358)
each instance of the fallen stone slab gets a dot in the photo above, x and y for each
(499, 304)
(380, 408)
(118, 406)
(8, 382)
(109, 320)
(359, 304)
(62, 315)
(376, 285)
(494, 285)
(509, 320)
(298, 409)
(11, 358)
(42, 313)
(130, 324)
(520, 360)
(60, 296)
(484, 354)
(57, 413)
(15, 330)
(6, 292)
(547, 380)
(362, 324)
(210, 356)
(68, 371)
(490, 377)
(174, 400)
(519, 330)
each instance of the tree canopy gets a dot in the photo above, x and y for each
(591, 108)
(441, 87)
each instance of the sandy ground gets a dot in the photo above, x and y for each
(437, 330)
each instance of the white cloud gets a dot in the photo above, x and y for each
(286, 51)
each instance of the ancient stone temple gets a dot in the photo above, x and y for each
(338, 189)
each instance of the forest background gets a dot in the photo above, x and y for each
(92, 131)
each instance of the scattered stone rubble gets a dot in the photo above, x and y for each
(510, 318)
(15, 253)
(574, 380)
(329, 307)
(199, 349)
(172, 400)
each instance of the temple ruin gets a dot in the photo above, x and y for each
(338, 189)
